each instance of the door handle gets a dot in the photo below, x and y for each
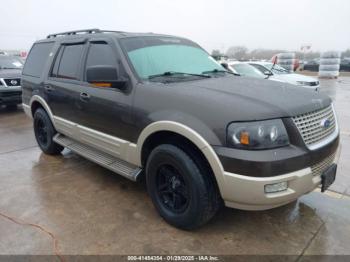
(48, 88)
(84, 96)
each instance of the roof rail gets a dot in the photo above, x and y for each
(84, 31)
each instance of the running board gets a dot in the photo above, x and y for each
(106, 160)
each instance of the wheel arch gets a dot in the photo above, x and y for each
(187, 133)
(36, 102)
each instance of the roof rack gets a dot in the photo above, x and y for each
(84, 31)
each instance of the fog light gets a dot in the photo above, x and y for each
(278, 187)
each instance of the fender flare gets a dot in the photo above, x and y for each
(43, 103)
(191, 135)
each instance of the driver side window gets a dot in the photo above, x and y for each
(100, 54)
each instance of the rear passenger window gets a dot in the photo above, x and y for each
(100, 53)
(69, 62)
(37, 59)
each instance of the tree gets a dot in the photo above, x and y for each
(238, 52)
(217, 54)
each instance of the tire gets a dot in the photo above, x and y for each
(330, 54)
(328, 74)
(44, 133)
(329, 67)
(286, 61)
(286, 56)
(181, 188)
(330, 61)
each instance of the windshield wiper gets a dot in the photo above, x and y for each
(214, 71)
(8, 67)
(174, 73)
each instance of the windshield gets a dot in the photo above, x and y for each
(157, 56)
(247, 70)
(276, 69)
(10, 63)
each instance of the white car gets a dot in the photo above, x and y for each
(278, 73)
(244, 69)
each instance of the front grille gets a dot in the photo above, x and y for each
(318, 168)
(9, 94)
(316, 126)
(13, 81)
(314, 83)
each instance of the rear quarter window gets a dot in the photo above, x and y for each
(37, 59)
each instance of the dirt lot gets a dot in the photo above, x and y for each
(93, 211)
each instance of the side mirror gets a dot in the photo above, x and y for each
(225, 65)
(105, 76)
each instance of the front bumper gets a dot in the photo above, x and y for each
(315, 88)
(10, 96)
(248, 193)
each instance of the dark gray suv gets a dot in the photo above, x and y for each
(159, 107)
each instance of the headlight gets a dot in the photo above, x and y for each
(303, 83)
(257, 135)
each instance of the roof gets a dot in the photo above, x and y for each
(96, 32)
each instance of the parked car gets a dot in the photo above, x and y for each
(10, 81)
(244, 69)
(278, 73)
(159, 107)
(312, 65)
(345, 65)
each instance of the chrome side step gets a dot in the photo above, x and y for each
(106, 160)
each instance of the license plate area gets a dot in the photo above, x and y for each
(328, 177)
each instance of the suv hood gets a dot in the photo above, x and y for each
(10, 73)
(244, 99)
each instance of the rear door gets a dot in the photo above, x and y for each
(63, 84)
(105, 109)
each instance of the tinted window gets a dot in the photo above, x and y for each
(8, 62)
(70, 61)
(100, 54)
(261, 68)
(151, 56)
(37, 59)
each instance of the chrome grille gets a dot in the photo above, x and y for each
(318, 168)
(311, 126)
(13, 81)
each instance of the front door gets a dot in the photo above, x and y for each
(104, 109)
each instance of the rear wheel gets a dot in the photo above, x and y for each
(182, 192)
(44, 133)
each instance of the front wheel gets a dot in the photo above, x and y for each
(44, 133)
(181, 190)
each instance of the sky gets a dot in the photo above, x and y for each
(219, 24)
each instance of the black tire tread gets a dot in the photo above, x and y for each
(53, 148)
(209, 197)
